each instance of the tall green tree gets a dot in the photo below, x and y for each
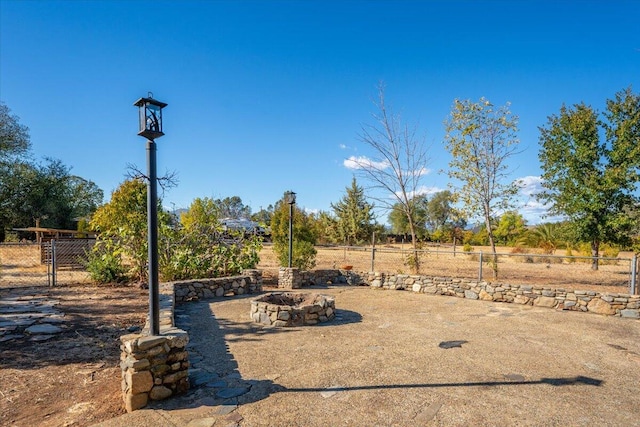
(304, 237)
(399, 221)
(511, 226)
(481, 140)
(122, 222)
(441, 215)
(325, 227)
(354, 215)
(14, 137)
(43, 193)
(263, 216)
(232, 207)
(590, 180)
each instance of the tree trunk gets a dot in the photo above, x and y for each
(415, 264)
(595, 249)
(492, 243)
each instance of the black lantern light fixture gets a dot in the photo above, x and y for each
(290, 198)
(150, 118)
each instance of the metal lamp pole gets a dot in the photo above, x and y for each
(291, 200)
(151, 128)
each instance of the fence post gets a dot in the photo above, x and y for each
(373, 251)
(480, 269)
(634, 275)
(47, 259)
(54, 267)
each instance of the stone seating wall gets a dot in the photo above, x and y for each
(157, 367)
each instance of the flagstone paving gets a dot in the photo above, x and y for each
(35, 317)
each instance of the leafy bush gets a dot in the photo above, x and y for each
(105, 265)
(606, 251)
(304, 255)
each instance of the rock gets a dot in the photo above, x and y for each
(634, 314)
(202, 422)
(44, 328)
(520, 299)
(135, 401)
(485, 296)
(331, 391)
(470, 294)
(544, 302)
(599, 306)
(139, 382)
(160, 392)
(147, 342)
(427, 414)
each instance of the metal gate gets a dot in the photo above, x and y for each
(51, 263)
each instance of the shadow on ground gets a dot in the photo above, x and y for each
(217, 383)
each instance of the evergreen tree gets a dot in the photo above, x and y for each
(354, 215)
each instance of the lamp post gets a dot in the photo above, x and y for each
(290, 198)
(150, 118)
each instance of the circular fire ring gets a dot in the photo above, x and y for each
(292, 309)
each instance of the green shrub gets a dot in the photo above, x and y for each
(304, 255)
(105, 266)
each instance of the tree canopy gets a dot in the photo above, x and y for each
(14, 137)
(481, 139)
(589, 179)
(33, 192)
(354, 215)
(304, 237)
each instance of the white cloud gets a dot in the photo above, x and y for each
(343, 147)
(423, 171)
(423, 190)
(534, 211)
(529, 185)
(362, 162)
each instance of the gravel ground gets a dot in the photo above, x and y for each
(404, 359)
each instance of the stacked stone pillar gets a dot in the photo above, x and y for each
(153, 367)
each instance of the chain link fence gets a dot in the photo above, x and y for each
(618, 274)
(51, 263)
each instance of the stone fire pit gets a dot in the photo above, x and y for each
(292, 309)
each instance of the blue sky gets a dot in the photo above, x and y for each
(268, 96)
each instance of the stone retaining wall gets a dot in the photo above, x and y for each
(250, 282)
(294, 278)
(157, 367)
(613, 304)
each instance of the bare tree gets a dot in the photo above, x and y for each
(166, 181)
(397, 166)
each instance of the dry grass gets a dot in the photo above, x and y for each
(556, 273)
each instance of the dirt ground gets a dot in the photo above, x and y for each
(393, 358)
(73, 378)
